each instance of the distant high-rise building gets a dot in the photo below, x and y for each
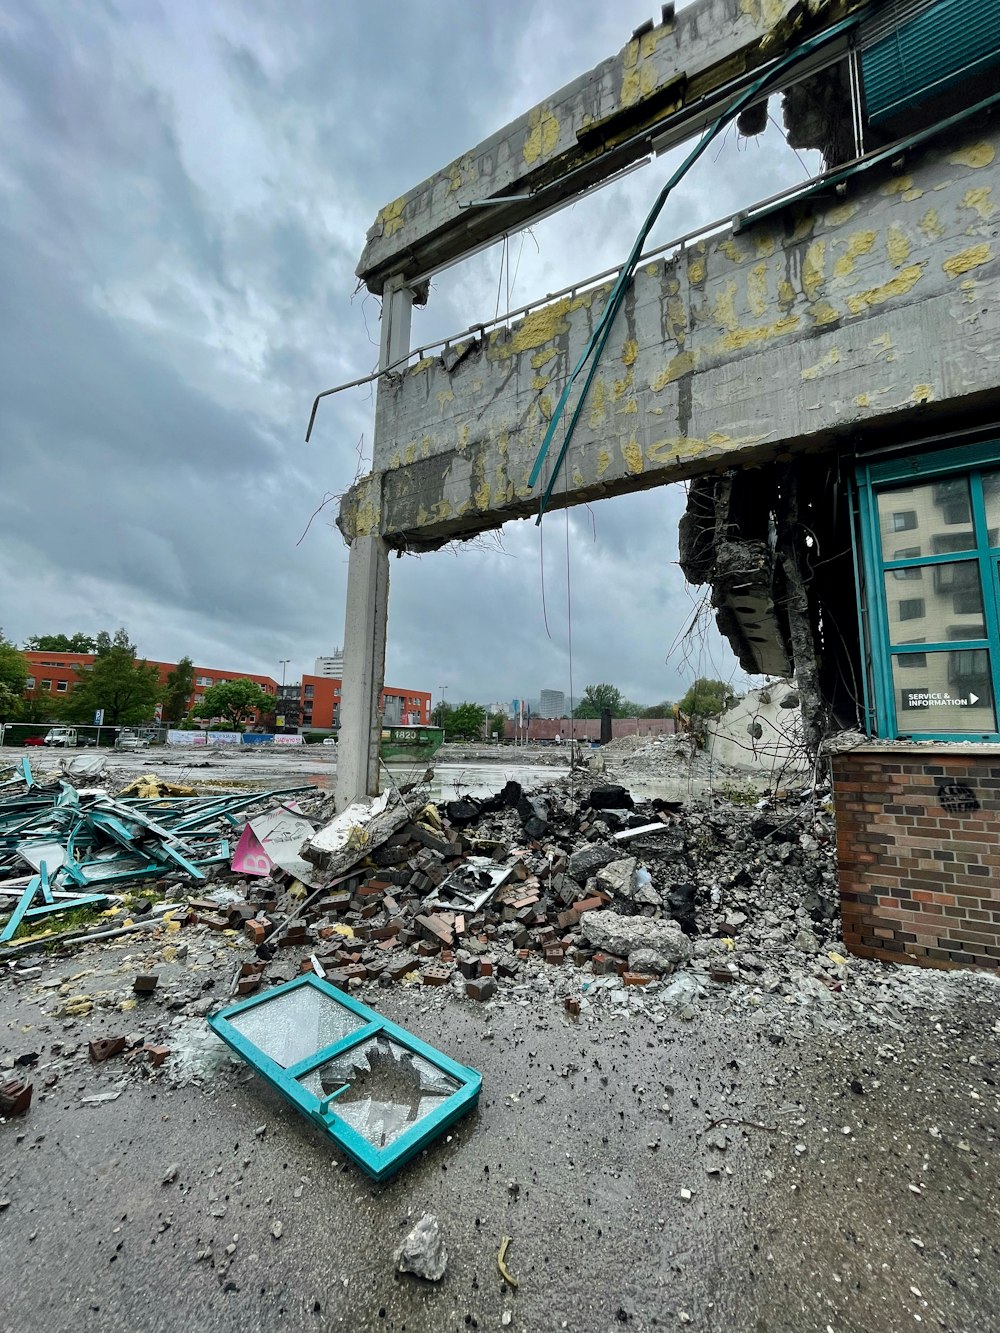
(331, 666)
(552, 703)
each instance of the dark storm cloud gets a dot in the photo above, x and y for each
(184, 193)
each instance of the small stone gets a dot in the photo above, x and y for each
(423, 1251)
(686, 1195)
(171, 1173)
(276, 1230)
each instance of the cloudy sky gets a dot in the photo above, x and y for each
(184, 194)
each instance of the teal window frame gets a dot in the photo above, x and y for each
(379, 1163)
(871, 479)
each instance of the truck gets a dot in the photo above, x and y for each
(66, 738)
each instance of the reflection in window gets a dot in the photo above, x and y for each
(907, 575)
(911, 608)
(905, 520)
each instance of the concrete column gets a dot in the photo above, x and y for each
(364, 670)
(368, 608)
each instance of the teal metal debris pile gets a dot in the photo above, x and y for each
(66, 847)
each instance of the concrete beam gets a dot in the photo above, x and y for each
(664, 81)
(832, 316)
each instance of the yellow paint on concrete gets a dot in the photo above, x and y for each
(858, 243)
(922, 393)
(897, 245)
(908, 196)
(975, 155)
(597, 403)
(863, 400)
(632, 455)
(732, 251)
(454, 178)
(677, 320)
(410, 453)
(423, 364)
(724, 305)
(651, 270)
(426, 442)
(898, 186)
(737, 339)
(577, 476)
(483, 495)
(675, 447)
(757, 290)
(543, 357)
(629, 409)
(967, 259)
(543, 135)
(539, 382)
(444, 397)
(904, 281)
(803, 228)
(391, 217)
(503, 444)
(839, 214)
(441, 510)
(763, 245)
(930, 225)
(969, 288)
(621, 387)
(629, 352)
(696, 272)
(822, 366)
(464, 432)
(822, 312)
(786, 294)
(640, 77)
(545, 406)
(979, 201)
(883, 347)
(603, 462)
(540, 326)
(763, 13)
(813, 269)
(681, 364)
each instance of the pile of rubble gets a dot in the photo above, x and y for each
(575, 893)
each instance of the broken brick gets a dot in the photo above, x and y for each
(145, 983)
(481, 988)
(15, 1097)
(103, 1048)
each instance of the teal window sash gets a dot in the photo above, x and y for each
(871, 480)
(379, 1163)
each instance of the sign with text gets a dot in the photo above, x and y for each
(185, 738)
(938, 699)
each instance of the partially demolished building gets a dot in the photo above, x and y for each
(822, 369)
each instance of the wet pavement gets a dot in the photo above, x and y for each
(844, 1185)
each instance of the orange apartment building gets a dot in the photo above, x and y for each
(319, 696)
(55, 673)
(319, 704)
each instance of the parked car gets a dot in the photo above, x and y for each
(34, 740)
(329, 740)
(66, 738)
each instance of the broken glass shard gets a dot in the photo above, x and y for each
(296, 1024)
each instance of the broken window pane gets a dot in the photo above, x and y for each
(388, 1088)
(295, 1024)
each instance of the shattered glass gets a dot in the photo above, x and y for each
(296, 1024)
(388, 1088)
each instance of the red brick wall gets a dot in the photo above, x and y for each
(919, 853)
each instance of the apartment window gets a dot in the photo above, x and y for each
(47, 685)
(309, 691)
(29, 684)
(203, 680)
(947, 687)
(62, 686)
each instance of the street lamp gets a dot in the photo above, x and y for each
(283, 662)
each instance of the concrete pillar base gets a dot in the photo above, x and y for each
(364, 670)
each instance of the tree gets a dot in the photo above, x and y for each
(178, 690)
(61, 643)
(665, 709)
(234, 701)
(598, 697)
(708, 698)
(14, 672)
(441, 713)
(465, 723)
(496, 726)
(125, 689)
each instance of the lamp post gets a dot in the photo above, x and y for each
(283, 662)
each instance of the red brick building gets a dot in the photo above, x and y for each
(319, 704)
(319, 696)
